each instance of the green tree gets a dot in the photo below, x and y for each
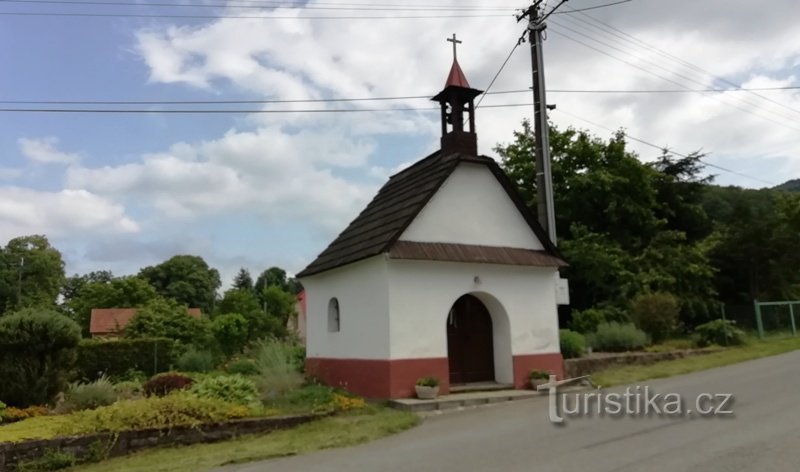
(31, 273)
(624, 226)
(122, 292)
(243, 280)
(186, 279)
(260, 320)
(37, 352)
(276, 277)
(166, 318)
(231, 332)
(74, 284)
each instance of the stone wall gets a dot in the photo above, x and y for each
(601, 361)
(112, 445)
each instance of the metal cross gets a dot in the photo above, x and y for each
(455, 43)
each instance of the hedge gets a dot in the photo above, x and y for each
(118, 357)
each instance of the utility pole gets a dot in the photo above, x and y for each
(544, 176)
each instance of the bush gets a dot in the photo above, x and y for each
(163, 384)
(37, 352)
(177, 409)
(129, 389)
(278, 369)
(656, 314)
(572, 344)
(125, 358)
(12, 414)
(196, 361)
(429, 381)
(242, 367)
(586, 321)
(616, 337)
(722, 332)
(87, 396)
(230, 388)
(52, 459)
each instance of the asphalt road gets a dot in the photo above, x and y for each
(762, 434)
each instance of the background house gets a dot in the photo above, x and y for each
(109, 322)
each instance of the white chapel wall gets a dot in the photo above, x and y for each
(363, 294)
(472, 207)
(422, 293)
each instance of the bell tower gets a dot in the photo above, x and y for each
(457, 99)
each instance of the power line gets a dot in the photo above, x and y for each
(663, 148)
(236, 17)
(258, 5)
(669, 80)
(499, 71)
(590, 8)
(369, 99)
(633, 39)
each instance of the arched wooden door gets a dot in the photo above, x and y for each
(470, 348)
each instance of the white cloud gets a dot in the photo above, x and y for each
(9, 173)
(44, 150)
(27, 211)
(268, 172)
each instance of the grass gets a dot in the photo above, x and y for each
(754, 349)
(347, 429)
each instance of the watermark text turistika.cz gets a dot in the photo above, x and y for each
(635, 401)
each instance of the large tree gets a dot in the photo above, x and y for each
(276, 277)
(31, 273)
(624, 226)
(263, 319)
(243, 280)
(122, 292)
(186, 279)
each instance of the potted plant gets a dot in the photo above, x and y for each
(538, 377)
(427, 387)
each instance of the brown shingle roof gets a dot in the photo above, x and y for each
(376, 229)
(473, 253)
(113, 320)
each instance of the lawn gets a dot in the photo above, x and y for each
(346, 429)
(754, 349)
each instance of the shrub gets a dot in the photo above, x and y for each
(586, 321)
(345, 402)
(129, 389)
(278, 371)
(125, 358)
(572, 344)
(87, 396)
(299, 357)
(656, 314)
(429, 381)
(616, 337)
(722, 332)
(163, 384)
(196, 361)
(52, 459)
(37, 351)
(230, 388)
(242, 367)
(12, 414)
(312, 397)
(177, 409)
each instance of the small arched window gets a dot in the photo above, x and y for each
(334, 325)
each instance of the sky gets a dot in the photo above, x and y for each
(122, 191)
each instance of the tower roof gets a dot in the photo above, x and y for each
(456, 78)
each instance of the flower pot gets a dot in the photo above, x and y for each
(536, 382)
(426, 393)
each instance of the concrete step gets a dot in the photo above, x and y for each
(461, 400)
(480, 387)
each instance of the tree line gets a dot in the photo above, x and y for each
(628, 228)
(32, 276)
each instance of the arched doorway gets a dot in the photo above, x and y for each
(470, 344)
